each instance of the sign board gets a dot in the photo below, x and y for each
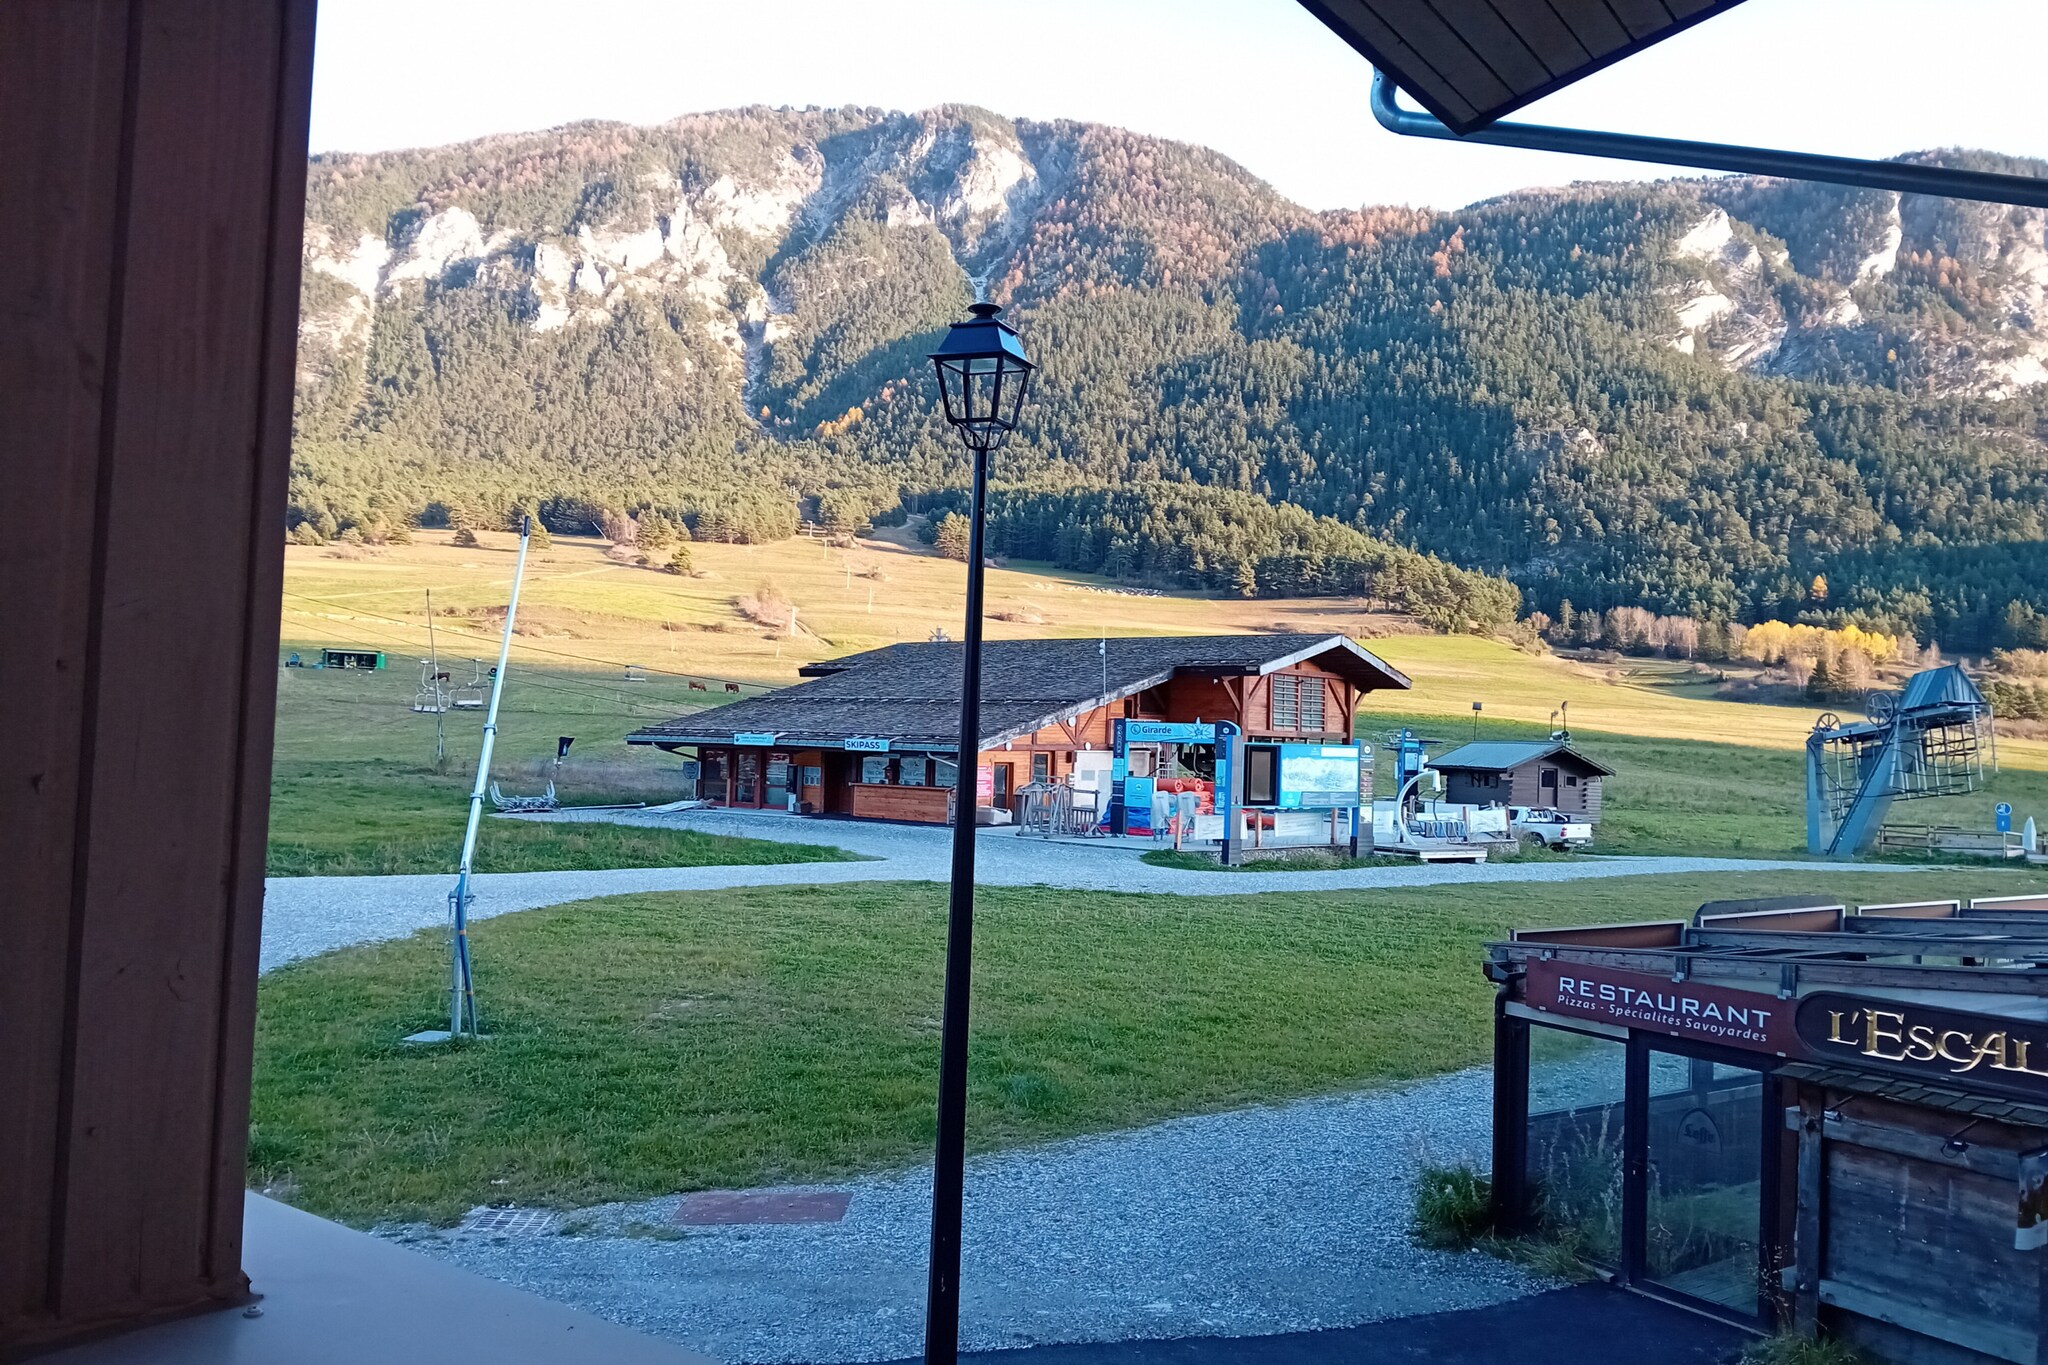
(2003, 812)
(753, 737)
(1684, 1009)
(985, 784)
(866, 746)
(1168, 732)
(1973, 1051)
(1318, 776)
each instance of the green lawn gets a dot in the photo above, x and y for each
(646, 1044)
(355, 788)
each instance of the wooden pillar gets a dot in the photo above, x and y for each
(1807, 1229)
(1510, 1119)
(152, 185)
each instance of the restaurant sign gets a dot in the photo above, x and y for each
(1972, 1051)
(1640, 1000)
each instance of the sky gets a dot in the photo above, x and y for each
(1259, 80)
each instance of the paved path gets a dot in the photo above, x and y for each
(1560, 1327)
(1283, 1218)
(307, 915)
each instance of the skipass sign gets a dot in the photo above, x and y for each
(1683, 1009)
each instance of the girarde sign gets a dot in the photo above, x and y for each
(1657, 1004)
(1970, 1051)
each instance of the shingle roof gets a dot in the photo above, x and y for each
(910, 693)
(1499, 755)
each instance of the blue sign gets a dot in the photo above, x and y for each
(1168, 732)
(2004, 814)
(753, 737)
(866, 746)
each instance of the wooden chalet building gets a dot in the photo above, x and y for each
(1541, 773)
(874, 735)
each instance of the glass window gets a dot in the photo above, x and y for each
(1577, 1084)
(874, 771)
(910, 772)
(945, 773)
(1041, 767)
(1261, 775)
(1284, 709)
(1704, 1208)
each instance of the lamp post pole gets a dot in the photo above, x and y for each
(982, 373)
(942, 1297)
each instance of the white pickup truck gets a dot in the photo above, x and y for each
(1551, 828)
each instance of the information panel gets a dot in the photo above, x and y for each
(1318, 776)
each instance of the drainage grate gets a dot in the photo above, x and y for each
(510, 1222)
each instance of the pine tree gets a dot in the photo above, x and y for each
(1821, 686)
(679, 559)
(1246, 580)
(953, 534)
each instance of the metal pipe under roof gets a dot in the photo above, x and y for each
(1903, 176)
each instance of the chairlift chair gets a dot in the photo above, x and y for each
(431, 697)
(472, 694)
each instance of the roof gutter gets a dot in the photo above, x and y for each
(1904, 177)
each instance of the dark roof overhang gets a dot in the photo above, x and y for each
(1470, 63)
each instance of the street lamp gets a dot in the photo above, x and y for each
(982, 376)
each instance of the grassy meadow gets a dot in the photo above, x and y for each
(357, 788)
(777, 1034)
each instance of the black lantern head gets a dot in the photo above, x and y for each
(982, 376)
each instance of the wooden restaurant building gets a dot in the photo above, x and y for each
(874, 735)
(1792, 1114)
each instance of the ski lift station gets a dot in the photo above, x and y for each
(1251, 736)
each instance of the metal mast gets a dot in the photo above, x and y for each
(462, 988)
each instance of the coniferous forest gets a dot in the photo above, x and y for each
(1698, 398)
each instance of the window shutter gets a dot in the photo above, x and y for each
(1285, 698)
(1311, 705)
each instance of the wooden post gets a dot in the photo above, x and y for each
(155, 151)
(1806, 1225)
(1510, 1119)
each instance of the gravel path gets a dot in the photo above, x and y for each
(307, 915)
(1264, 1220)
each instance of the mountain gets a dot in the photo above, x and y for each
(1695, 396)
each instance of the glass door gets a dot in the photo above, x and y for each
(747, 780)
(1703, 1199)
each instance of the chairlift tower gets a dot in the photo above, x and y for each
(1930, 738)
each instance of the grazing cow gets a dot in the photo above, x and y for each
(732, 687)
(697, 687)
